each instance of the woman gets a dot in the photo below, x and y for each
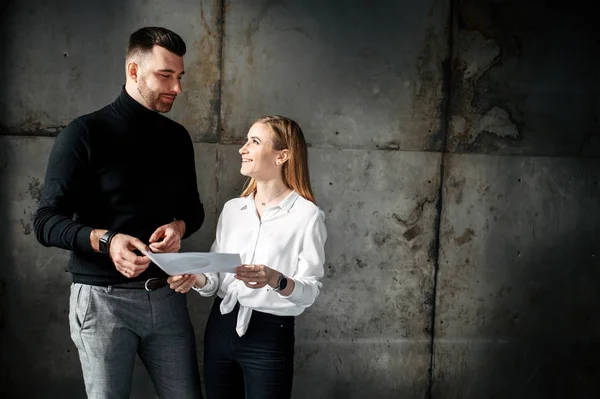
(280, 234)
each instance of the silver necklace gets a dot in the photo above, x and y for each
(278, 195)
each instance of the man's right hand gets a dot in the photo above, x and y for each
(126, 261)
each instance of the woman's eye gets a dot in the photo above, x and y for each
(255, 141)
(164, 76)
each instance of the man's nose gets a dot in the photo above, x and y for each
(177, 86)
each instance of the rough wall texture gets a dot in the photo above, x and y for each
(518, 277)
(453, 148)
(525, 78)
(355, 74)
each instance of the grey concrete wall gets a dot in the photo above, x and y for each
(516, 301)
(453, 147)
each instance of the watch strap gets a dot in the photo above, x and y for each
(105, 240)
(281, 283)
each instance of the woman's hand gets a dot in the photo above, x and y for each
(257, 276)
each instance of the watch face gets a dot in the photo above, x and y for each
(282, 284)
(102, 246)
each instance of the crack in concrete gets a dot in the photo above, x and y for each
(415, 215)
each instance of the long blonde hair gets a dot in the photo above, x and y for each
(287, 135)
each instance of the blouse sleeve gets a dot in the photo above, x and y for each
(310, 263)
(212, 279)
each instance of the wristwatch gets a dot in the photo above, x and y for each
(281, 283)
(105, 242)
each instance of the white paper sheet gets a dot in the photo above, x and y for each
(195, 262)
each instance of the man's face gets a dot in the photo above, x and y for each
(159, 78)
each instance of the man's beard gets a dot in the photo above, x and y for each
(152, 99)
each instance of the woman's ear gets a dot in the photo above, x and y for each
(283, 156)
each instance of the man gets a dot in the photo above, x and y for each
(119, 181)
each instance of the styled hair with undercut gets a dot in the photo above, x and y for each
(143, 40)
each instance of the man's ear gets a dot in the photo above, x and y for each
(283, 157)
(133, 70)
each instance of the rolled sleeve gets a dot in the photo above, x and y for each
(211, 286)
(212, 279)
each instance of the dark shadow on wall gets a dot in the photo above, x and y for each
(554, 349)
(4, 277)
(527, 304)
(4, 38)
(525, 78)
(527, 316)
(548, 307)
(4, 219)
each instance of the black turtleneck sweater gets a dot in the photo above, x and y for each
(123, 168)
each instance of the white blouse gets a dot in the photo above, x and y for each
(290, 238)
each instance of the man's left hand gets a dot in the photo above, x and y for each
(182, 283)
(170, 236)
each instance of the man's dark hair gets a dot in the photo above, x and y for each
(142, 40)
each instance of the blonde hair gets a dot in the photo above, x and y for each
(287, 135)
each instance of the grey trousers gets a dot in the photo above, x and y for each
(109, 326)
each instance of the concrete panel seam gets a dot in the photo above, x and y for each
(48, 131)
(444, 125)
(221, 24)
(217, 182)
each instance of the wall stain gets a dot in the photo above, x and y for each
(303, 358)
(26, 227)
(480, 122)
(35, 189)
(427, 90)
(465, 237)
(360, 263)
(380, 239)
(455, 187)
(415, 215)
(203, 78)
(34, 123)
(390, 146)
(329, 269)
(413, 232)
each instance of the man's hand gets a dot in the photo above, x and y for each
(126, 261)
(183, 283)
(171, 237)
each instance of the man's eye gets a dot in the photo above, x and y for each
(255, 141)
(164, 76)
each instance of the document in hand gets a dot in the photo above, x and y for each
(195, 262)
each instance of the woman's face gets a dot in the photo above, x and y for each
(259, 159)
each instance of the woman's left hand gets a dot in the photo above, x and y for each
(256, 276)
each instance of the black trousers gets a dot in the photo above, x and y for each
(258, 365)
